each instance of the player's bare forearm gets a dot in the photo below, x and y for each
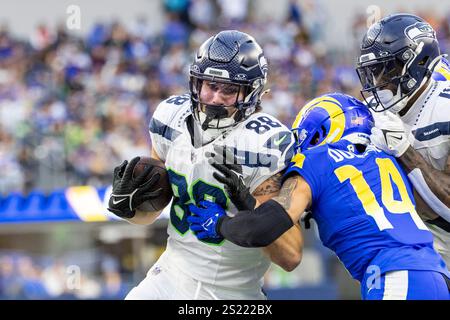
(144, 218)
(437, 181)
(423, 209)
(286, 251)
(154, 155)
(295, 197)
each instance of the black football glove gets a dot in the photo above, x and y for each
(128, 193)
(225, 162)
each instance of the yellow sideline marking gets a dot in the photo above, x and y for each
(86, 203)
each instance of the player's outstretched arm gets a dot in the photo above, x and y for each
(272, 219)
(270, 222)
(286, 250)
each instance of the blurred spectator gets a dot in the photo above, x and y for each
(178, 8)
(202, 13)
(42, 38)
(23, 277)
(10, 286)
(233, 11)
(294, 12)
(31, 280)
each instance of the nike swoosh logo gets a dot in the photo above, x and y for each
(397, 136)
(116, 202)
(279, 141)
(207, 224)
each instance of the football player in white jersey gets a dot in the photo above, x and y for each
(222, 111)
(398, 56)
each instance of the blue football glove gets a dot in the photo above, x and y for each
(205, 218)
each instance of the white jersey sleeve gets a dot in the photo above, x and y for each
(265, 147)
(430, 128)
(164, 126)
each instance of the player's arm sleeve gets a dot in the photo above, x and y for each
(265, 224)
(256, 228)
(161, 132)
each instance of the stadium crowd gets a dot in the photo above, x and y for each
(23, 276)
(72, 108)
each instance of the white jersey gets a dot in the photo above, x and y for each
(428, 124)
(265, 146)
(428, 127)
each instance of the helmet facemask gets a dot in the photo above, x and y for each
(388, 82)
(245, 99)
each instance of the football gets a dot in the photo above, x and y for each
(158, 167)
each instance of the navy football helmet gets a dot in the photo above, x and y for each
(229, 58)
(330, 118)
(398, 56)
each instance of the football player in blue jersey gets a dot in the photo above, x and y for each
(359, 197)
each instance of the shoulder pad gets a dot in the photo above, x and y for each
(164, 119)
(168, 108)
(263, 131)
(264, 142)
(315, 160)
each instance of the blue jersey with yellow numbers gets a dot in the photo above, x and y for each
(364, 209)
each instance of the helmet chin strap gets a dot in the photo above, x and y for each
(401, 103)
(209, 133)
(212, 113)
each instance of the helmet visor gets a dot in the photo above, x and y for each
(380, 75)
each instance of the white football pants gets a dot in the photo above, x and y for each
(164, 281)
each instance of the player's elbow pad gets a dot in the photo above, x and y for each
(257, 228)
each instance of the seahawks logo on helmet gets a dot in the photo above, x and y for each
(420, 30)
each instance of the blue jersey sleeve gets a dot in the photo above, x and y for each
(312, 168)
